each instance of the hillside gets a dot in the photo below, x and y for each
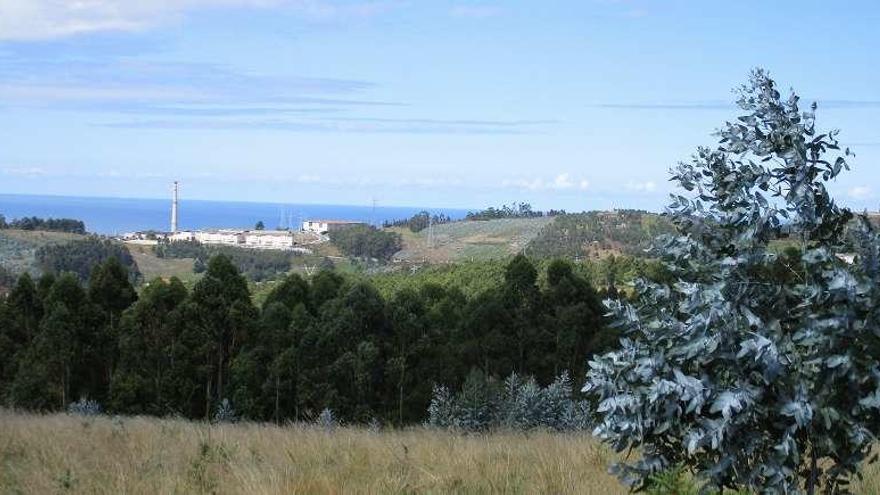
(470, 240)
(18, 247)
(596, 234)
(151, 266)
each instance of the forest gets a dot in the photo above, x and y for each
(329, 342)
(80, 256)
(47, 224)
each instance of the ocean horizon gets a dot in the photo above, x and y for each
(113, 216)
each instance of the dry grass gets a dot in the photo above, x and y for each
(68, 454)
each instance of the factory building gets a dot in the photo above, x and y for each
(324, 226)
(269, 239)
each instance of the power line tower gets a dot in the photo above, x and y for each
(373, 214)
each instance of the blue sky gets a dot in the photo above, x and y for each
(565, 104)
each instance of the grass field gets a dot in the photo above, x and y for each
(471, 240)
(101, 455)
(69, 454)
(151, 266)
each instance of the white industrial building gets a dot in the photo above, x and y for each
(259, 239)
(269, 239)
(324, 226)
(224, 236)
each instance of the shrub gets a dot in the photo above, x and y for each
(327, 420)
(225, 413)
(84, 407)
(521, 404)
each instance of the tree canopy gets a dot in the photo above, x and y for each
(755, 369)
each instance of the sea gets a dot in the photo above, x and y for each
(115, 216)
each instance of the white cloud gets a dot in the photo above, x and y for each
(859, 192)
(561, 182)
(48, 19)
(646, 186)
(25, 172)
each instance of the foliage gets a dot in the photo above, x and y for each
(326, 342)
(754, 369)
(630, 232)
(84, 407)
(7, 280)
(80, 256)
(363, 241)
(673, 481)
(327, 420)
(225, 413)
(420, 221)
(68, 225)
(514, 210)
(518, 405)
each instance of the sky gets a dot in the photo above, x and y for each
(564, 104)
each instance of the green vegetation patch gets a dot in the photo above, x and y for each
(598, 233)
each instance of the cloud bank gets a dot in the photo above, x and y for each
(29, 20)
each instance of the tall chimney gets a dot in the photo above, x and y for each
(174, 210)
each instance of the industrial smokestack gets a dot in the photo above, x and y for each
(174, 210)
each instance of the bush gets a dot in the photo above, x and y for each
(327, 420)
(84, 407)
(520, 404)
(225, 413)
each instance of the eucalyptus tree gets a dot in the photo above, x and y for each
(751, 379)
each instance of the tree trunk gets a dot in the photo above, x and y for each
(814, 472)
(277, 386)
(219, 386)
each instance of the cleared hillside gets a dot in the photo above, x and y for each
(151, 266)
(18, 247)
(470, 240)
(597, 234)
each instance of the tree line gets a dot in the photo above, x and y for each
(48, 224)
(420, 221)
(366, 242)
(79, 257)
(328, 342)
(513, 210)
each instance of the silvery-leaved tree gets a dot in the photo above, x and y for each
(754, 369)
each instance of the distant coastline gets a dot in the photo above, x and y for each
(112, 216)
